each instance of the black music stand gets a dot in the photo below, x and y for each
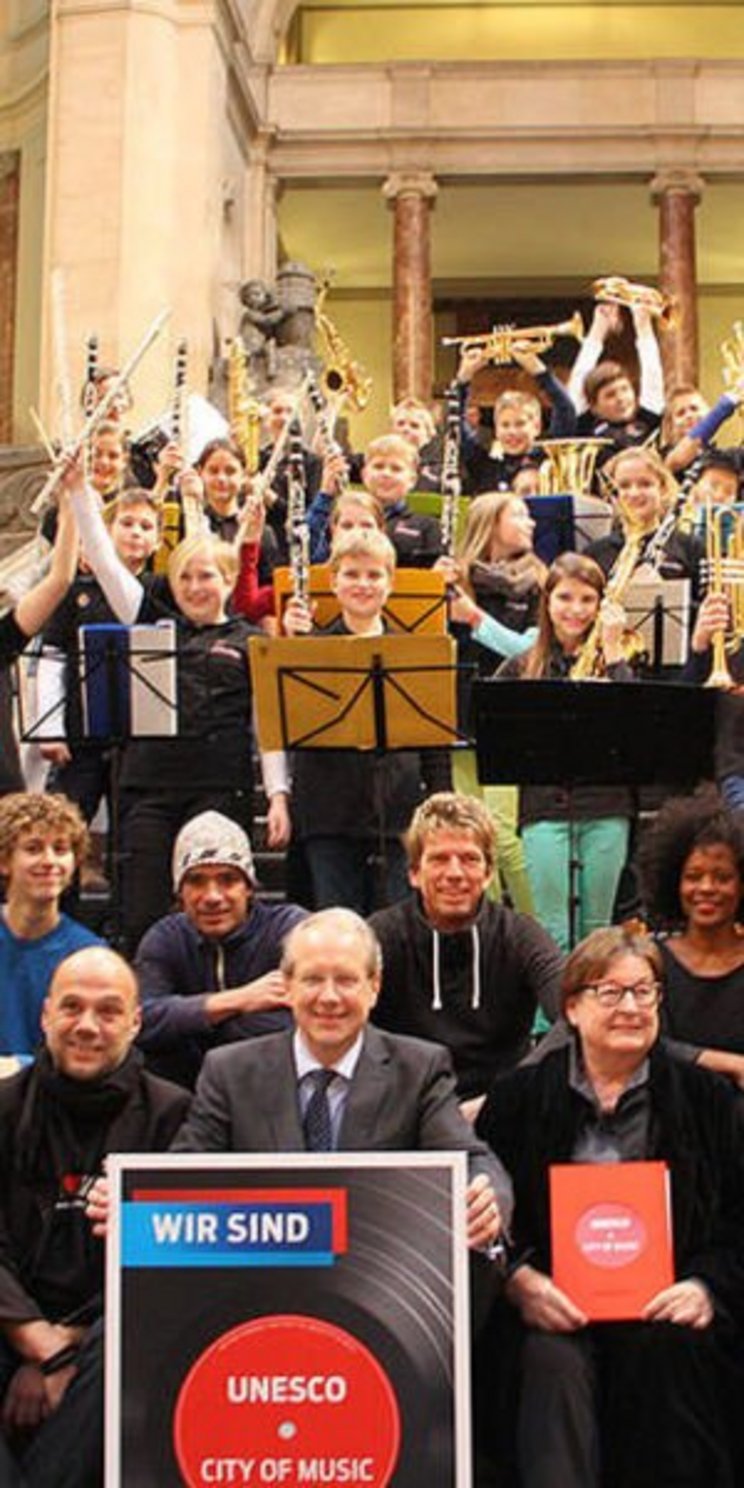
(579, 733)
(106, 673)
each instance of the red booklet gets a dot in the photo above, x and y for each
(611, 1232)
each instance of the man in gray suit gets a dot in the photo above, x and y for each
(335, 1082)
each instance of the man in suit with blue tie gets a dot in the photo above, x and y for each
(335, 1082)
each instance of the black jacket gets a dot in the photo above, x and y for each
(531, 1119)
(50, 1263)
(474, 990)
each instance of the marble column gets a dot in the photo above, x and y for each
(677, 193)
(411, 196)
(9, 191)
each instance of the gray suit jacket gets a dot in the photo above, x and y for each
(401, 1098)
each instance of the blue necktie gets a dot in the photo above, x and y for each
(316, 1123)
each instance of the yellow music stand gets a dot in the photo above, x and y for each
(355, 692)
(416, 604)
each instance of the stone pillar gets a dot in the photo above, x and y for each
(411, 197)
(677, 193)
(263, 192)
(9, 181)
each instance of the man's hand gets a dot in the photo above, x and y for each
(470, 1108)
(542, 1304)
(278, 821)
(297, 618)
(712, 616)
(333, 474)
(686, 1303)
(98, 1207)
(26, 1402)
(606, 320)
(267, 991)
(483, 1216)
(472, 359)
(57, 754)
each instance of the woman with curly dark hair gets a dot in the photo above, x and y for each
(692, 867)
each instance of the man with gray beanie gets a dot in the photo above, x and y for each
(209, 975)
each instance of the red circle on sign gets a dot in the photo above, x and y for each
(298, 1398)
(611, 1235)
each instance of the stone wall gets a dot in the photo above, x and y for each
(23, 470)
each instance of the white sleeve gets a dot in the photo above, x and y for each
(50, 694)
(590, 353)
(123, 591)
(652, 372)
(274, 772)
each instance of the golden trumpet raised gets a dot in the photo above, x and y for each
(613, 289)
(498, 343)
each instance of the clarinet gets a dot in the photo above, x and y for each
(89, 390)
(325, 419)
(175, 522)
(179, 388)
(450, 479)
(91, 368)
(298, 534)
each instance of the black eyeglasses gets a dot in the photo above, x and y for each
(610, 995)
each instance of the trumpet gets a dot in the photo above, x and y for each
(614, 290)
(724, 570)
(498, 343)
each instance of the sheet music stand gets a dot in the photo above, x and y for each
(356, 693)
(578, 733)
(127, 691)
(360, 692)
(416, 604)
(660, 610)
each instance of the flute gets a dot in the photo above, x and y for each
(98, 415)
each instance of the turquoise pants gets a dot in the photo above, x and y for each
(601, 848)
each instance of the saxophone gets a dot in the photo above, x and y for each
(344, 381)
(590, 662)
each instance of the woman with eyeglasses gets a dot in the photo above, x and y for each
(692, 865)
(633, 1404)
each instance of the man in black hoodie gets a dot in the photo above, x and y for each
(458, 968)
(85, 1095)
(209, 974)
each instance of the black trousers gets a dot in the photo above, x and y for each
(622, 1405)
(67, 1450)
